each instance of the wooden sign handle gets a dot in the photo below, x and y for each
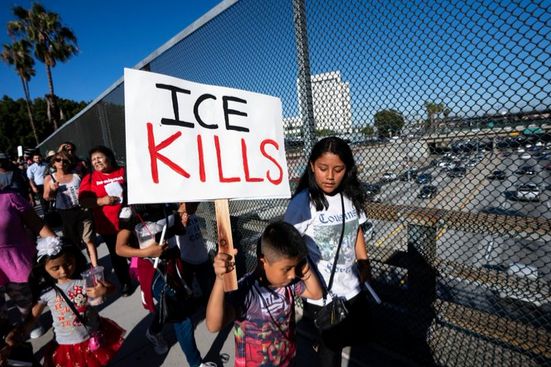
(225, 240)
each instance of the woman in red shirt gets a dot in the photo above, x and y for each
(102, 190)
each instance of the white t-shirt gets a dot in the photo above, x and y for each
(192, 245)
(322, 231)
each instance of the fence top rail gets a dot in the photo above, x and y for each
(459, 220)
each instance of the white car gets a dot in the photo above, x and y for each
(389, 176)
(528, 192)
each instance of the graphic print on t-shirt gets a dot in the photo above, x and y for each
(328, 233)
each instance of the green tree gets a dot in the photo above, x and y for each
(14, 129)
(17, 55)
(368, 131)
(388, 122)
(51, 40)
(324, 132)
(434, 110)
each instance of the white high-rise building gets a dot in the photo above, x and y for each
(331, 100)
(331, 104)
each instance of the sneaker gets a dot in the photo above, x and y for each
(159, 343)
(208, 364)
(37, 332)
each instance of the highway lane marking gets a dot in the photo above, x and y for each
(466, 200)
(389, 236)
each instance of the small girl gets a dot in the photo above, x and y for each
(55, 273)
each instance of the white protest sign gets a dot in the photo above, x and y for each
(187, 141)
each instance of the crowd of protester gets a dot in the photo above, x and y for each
(55, 210)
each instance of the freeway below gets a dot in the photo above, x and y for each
(520, 256)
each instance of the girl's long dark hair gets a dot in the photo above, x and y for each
(350, 185)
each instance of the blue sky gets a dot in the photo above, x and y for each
(111, 35)
(476, 56)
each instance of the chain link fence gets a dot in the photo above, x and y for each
(446, 105)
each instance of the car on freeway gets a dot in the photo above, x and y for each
(409, 174)
(525, 156)
(446, 163)
(542, 156)
(535, 148)
(371, 189)
(427, 192)
(526, 170)
(369, 232)
(497, 175)
(389, 176)
(375, 198)
(528, 192)
(423, 178)
(457, 172)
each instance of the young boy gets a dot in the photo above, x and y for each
(263, 306)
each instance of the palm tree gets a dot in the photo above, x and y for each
(18, 55)
(433, 110)
(52, 42)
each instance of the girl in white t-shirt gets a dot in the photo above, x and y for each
(328, 184)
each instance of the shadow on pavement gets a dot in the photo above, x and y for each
(214, 355)
(137, 351)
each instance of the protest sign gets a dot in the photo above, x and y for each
(187, 141)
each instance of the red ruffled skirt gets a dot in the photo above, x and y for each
(80, 355)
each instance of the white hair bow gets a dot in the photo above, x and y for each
(48, 246)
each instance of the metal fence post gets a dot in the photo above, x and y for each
(304, 84)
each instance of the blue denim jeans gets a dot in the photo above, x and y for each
(184, 329)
